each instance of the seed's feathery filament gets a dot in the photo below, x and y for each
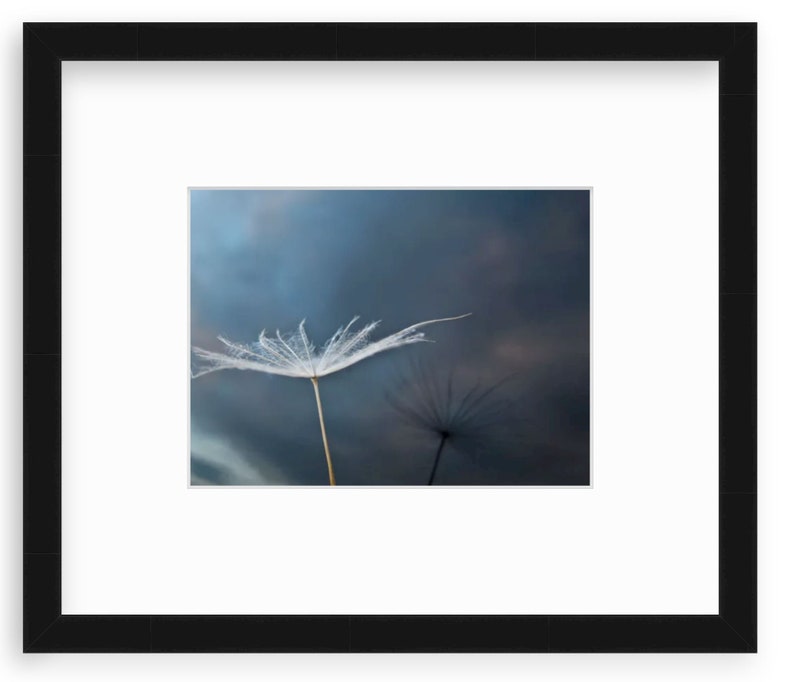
(294, 355)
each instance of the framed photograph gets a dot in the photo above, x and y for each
(390, 337)
(504, 401)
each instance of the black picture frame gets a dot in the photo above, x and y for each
(733, 45)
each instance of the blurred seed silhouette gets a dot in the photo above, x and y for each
(472, 418)
(295, 356)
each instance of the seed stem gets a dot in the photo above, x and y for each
(438, 457)
(331, 476)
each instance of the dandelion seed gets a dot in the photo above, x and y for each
(473, 418)
(294, 355)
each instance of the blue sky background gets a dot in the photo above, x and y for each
(518, 260)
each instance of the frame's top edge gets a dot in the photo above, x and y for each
(461, 41)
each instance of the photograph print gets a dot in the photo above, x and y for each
(390, 337)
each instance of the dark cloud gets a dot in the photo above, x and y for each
(517, 260)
